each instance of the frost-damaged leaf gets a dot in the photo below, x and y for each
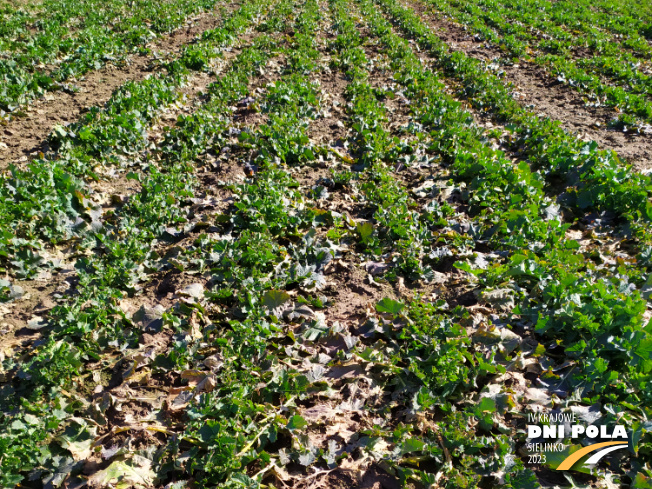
(376, 268)
(537, 396)
(490, 335)
(207, 384)
(298, 313)
(14, 291)
(502, 299)
(108, 453)
(315, 329)
(36, 323)
(274, 299)
(178, 485)
(284, 459)
(389, 306)
(214, 362)
(193, 376)
(308, 458)
(179, 397)
(135, 473)
(78, 439)
(330, 457)
(150, 317)
(551, 212)
(588, 414)
(316, 373)
(196, 291)
(80, 450)
(425, 189)
(502, 400)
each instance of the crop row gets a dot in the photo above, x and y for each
(592, 311)
(276, 241)
(527, 190)
(123, 238)
(512, 31)
(556, 25)
(594, 179)
(423, 358)
(59, 49)
(47, 202)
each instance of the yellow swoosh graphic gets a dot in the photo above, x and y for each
(571, 459)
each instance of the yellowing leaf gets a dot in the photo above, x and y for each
(124, 474)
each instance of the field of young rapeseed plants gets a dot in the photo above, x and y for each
(371, 244)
